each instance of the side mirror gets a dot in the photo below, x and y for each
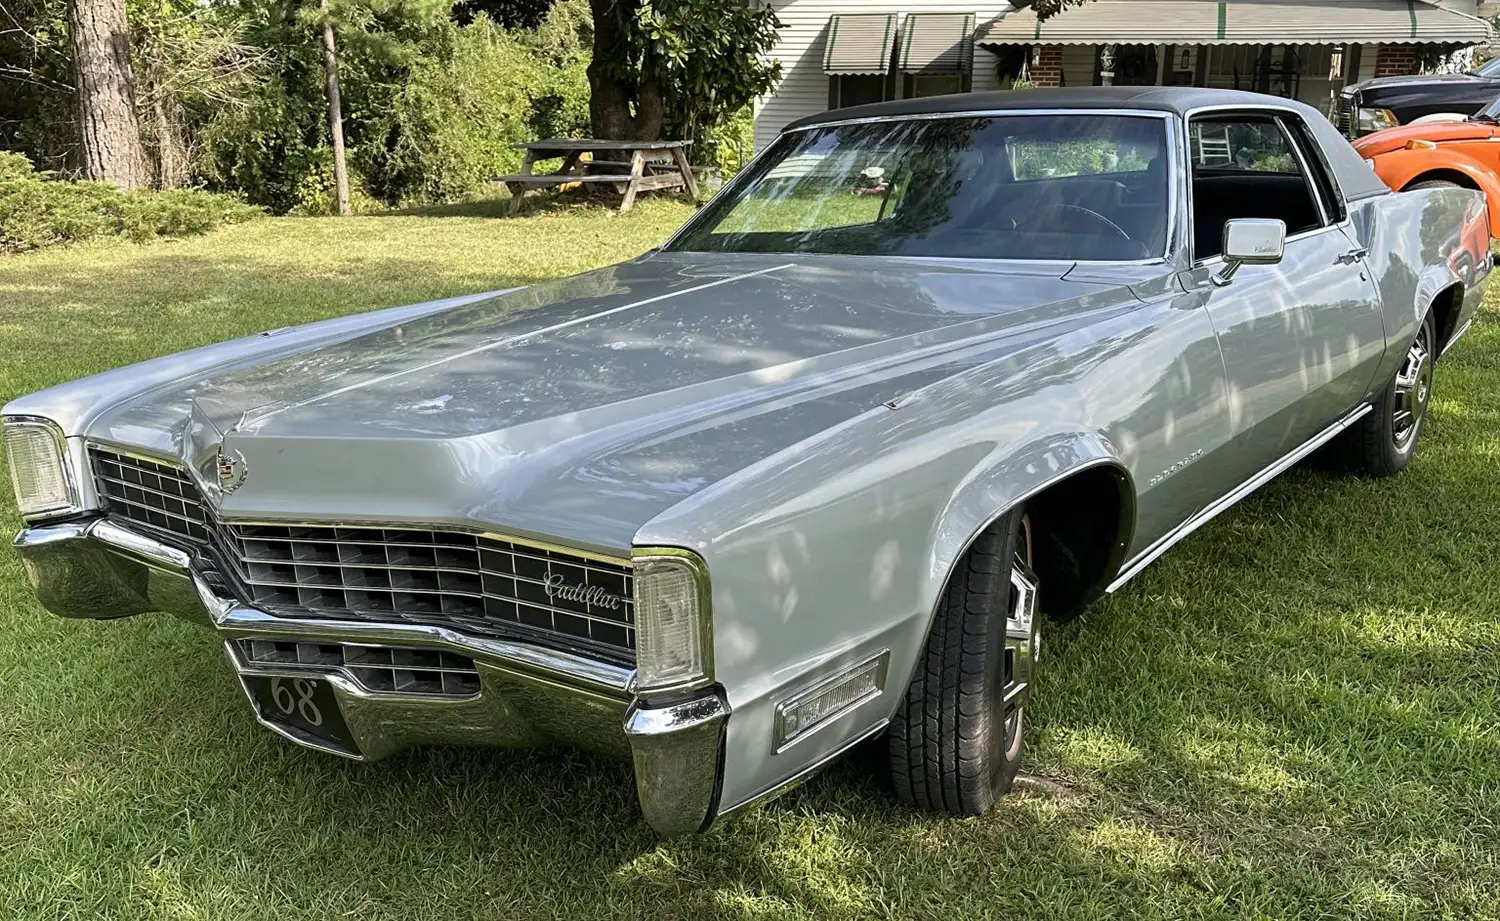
(1250, 241)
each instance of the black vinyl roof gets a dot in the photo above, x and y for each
(1177, 99)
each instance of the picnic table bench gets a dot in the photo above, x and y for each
(631, 166)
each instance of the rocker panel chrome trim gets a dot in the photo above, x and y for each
(1228, 500)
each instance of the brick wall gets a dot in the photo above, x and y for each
(1396, 60)
(1047, 68)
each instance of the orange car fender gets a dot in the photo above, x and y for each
(1400, 168)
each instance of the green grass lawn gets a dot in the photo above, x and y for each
(1295, 714)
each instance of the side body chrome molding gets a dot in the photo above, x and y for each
(1229, 499)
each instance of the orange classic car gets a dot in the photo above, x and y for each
(1459, 153)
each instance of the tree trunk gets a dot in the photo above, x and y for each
(618, 109)
(609, 97)
(106, 97)
(650, 112)
(335, 112)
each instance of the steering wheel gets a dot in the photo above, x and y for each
(1091, 215)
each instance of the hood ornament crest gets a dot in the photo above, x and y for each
(231, 469)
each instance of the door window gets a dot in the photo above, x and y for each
(1246, 166)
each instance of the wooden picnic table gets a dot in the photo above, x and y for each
(631, 166)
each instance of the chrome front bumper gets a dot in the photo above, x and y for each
(527, 695)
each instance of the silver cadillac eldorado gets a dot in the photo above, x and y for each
(814, 472)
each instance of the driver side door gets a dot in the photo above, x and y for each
(1300, 339)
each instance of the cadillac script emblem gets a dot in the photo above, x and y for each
(592, 595)
(232, 470)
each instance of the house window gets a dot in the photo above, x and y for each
(856, 89)
(935, 85)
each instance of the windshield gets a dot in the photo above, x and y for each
(1068, 186)
(1488, 69)
(1489, 113)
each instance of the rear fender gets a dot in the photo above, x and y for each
(1423, 243)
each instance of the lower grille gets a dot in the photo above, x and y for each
(389, 669)
(157, 495)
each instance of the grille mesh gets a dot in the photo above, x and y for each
(158, 495)
(477, 585)
(1344, 115)
(464, 581)
(377, 668)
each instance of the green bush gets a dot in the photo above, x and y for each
(463, 105)
(451, 128)
(733, 142)
(37, 210)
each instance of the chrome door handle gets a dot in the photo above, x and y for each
(1354, 255)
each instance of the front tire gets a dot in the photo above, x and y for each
(955, 743)
(1384, 441)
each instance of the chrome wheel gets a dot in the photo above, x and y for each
(1022, 644)
(1413, 390)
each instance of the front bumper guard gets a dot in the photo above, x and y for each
(528, 695)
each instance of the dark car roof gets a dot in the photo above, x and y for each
(1177, 99)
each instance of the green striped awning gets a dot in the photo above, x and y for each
(859, 43)
(936, 43)
(1243, 22)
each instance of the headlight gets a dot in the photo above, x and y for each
(673, 638)
(1368, 120)
(38, 466)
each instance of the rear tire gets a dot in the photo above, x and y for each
(1385, 439)
(955, 743)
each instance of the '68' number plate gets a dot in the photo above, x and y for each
(305, 707)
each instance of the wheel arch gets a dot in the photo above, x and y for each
(1445, 307)
(1085, 550)
(1461, 172)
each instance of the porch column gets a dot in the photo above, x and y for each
(1107, 65)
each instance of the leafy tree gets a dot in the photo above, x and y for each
(37, 113)
(1046, 9)
(192, 60)
(676, 65)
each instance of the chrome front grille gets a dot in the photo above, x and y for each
(387, 669)
(1344, 115)
(473, 583)
(478, 585)
(157, 495)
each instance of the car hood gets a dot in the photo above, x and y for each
(1410, 80)
(1390, 139)
(579, 409)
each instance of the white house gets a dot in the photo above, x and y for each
(837, 53)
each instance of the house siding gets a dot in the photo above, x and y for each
(803, 89)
